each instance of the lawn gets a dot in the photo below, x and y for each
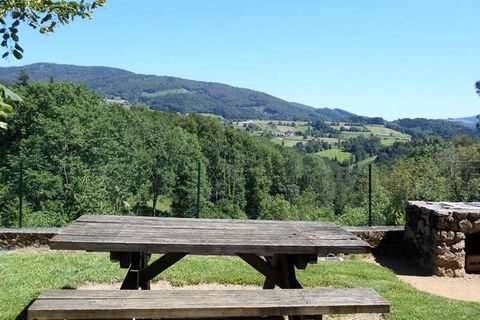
(165, 92)
(364, 162)
(382, 131)
(333, 154)
(24, 275)
(289, 141)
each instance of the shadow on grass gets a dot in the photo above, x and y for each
(23, 314)
(400, 264)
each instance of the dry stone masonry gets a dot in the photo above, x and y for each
(437, 233)
(19, 238)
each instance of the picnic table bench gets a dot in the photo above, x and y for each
(123, 304)
(273, 248)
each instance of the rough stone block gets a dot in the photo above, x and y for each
(465, 225)
(445, 223)
(476, 225)
(459, 236)
(437, 234)
(443, 272)
(450, 260)
(460, 215)
(459, 273)
(447, 236)
(440, 248)
(459, 246)
(474, 215)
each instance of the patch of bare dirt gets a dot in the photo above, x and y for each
(165, 285)
(31, 249)
(465, 289)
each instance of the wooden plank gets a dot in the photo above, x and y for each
(208, 248)
(271, 274)
(194, 221)
(98, 304)
(160, 265)
(206, 236)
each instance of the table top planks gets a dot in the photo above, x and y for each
(101, 304)
(205, 236)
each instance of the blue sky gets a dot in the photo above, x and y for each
(390, 58)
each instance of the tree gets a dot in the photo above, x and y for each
(477, 88)
(43, 15)
(23, 78)
(7, 99)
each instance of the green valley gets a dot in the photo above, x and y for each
(327, 136)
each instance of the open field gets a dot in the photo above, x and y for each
(290, 141)
(364, 162)
(162, 93)
(290, 133)
(382, 131)
(338, 154)
(281, 128)
(25, 275)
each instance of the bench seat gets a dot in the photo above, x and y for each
(122, 304)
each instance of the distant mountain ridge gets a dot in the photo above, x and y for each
(469, 122)
(176, 94)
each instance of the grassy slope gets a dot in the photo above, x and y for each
(24, 276)
(364, 162)
(338, 154)
(387, 136)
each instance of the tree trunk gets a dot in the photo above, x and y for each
(155, 198)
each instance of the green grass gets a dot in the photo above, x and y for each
(289, 141)
(164, 93)
(364, 162)
(386, 142)
(349, 134)
(338, 154)
(382, 131)
(387, 136)
(163, 204)
(24, 275)
(212, 115)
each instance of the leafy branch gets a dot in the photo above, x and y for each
(7, 99)
(42, 15)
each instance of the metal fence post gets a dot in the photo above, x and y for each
(20, 197)
(369, 194)
(198, 188)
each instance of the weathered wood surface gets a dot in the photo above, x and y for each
(206, 236)
(100, 304)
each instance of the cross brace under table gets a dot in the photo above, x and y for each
(279, 269)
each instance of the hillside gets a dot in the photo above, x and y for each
(176, 94)
(469, 122)
(334, 140)
(420, 128)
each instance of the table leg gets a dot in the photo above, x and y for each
(269, 281)
(132, 281)
(144, 284)
(140, 272)
(286, 266)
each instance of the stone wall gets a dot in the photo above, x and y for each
(381, 238)
(19, 238)
(435, 233)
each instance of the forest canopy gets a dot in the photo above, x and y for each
(82, 155)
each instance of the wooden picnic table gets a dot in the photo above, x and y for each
(274, 248)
